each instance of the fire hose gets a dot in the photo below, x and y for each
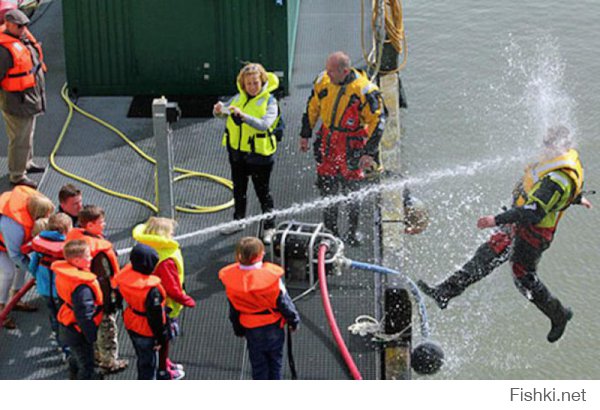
(330, 316)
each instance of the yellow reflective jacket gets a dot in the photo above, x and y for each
(566, 171)
(166, 248)
(245, 138)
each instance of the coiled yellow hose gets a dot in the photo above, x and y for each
(185, 173)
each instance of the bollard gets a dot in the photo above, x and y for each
(398, 318)
(163, 115)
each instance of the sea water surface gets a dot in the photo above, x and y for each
(483, 80)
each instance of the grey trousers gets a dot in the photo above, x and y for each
(107, 345)
(20, 144)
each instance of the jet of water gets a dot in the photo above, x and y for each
(390, 185)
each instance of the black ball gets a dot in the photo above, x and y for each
(427, 358)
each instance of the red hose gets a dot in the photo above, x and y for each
(15, 299)
(331, 318)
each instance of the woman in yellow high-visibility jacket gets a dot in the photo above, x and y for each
(253, 120)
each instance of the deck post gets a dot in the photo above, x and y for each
(163, 114)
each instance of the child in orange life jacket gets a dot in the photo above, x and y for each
(81, 309)
(145, 316)
(259, 305)
(105, 265)
(158, 234)
(47, 248)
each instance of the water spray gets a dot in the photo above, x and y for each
(388, 185)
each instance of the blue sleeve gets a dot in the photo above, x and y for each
(84, 308)
(34, 263)
(14, 234)
(287, 308)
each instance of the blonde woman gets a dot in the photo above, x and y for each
(19, 210)
(158, 233)
(253, 127)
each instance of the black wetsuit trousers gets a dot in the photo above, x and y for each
(501, 247)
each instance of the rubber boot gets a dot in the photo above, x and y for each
(479, 266)
(551, 307)
(437, 293)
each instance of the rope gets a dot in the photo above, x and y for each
(185, 173)
(306, 292)
(391, 13)
(425, 331)
(367, 325)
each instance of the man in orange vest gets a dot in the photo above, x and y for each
(22, 95)
(145, 317)
(81, 310)
(259, 307)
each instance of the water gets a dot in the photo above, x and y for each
(487, 79)
(390, 185)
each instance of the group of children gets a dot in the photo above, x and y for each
(78, 275)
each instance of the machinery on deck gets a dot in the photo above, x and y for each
(309, 253)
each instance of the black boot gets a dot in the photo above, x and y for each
(434, 292)
(479, 266)
(551, 307)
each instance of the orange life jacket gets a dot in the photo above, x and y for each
(21, 75)
(97, 245)
(51, 251)
(253, 293)
(69, 278)
(14, 205)
(134, 287)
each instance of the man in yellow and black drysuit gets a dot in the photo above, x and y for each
(352, 114)
(526, 230)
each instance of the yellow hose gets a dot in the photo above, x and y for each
(196, 209)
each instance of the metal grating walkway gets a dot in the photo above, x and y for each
(208, 349)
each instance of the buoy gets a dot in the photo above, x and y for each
(427, 358)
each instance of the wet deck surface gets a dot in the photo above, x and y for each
(208, 349)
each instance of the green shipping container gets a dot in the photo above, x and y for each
(174, 47)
